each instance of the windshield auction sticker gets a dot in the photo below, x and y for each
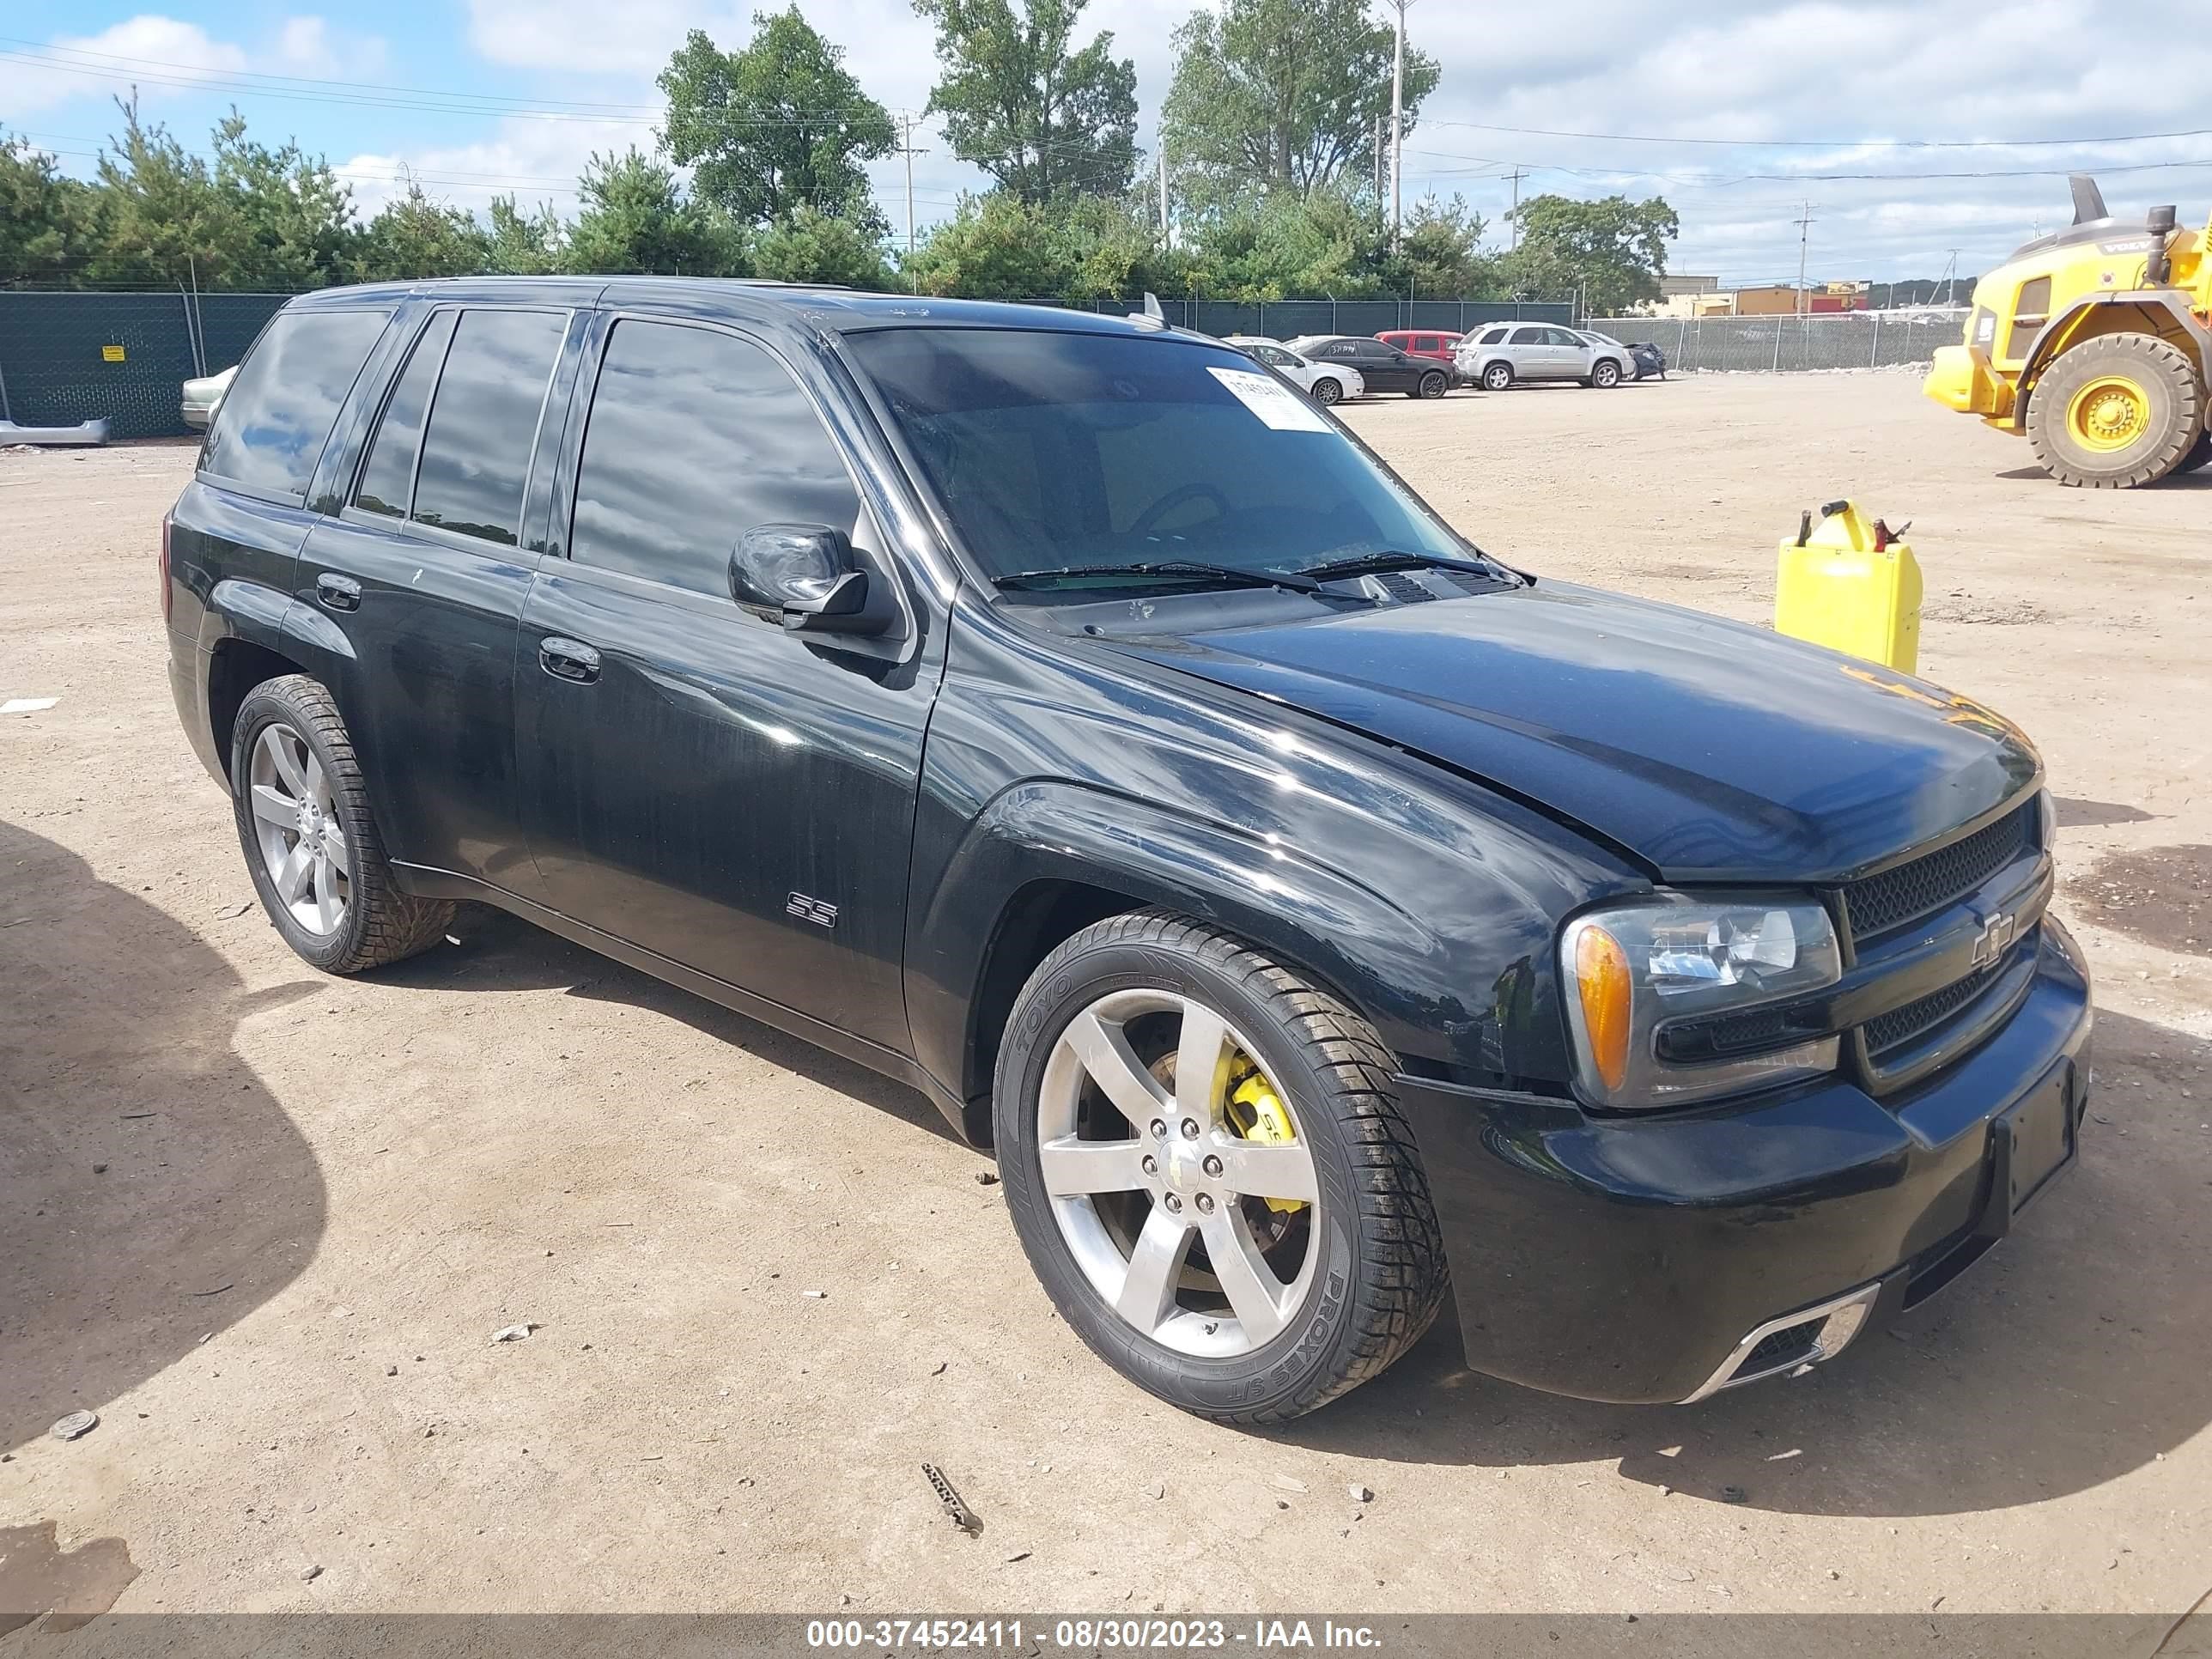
(1270, 399)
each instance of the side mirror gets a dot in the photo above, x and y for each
(807, 574)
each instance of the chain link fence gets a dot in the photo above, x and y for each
(1786, 344)
(1286, 319)
(66, 357)
(71, 356)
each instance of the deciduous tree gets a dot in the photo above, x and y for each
(778, 125)
(1612, 252)
(1283, 92)
(1021, 102)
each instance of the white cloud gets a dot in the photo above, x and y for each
(164, 57)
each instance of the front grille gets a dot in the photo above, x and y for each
(1900, 1025)
(1878, 904)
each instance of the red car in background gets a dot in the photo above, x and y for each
(1435, 343)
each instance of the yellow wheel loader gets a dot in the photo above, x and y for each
(2095, 344)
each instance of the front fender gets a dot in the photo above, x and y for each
(1344, 932)
(1425, 900)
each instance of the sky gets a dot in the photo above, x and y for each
(1912, 129)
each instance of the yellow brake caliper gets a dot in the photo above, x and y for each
(1257, 1112)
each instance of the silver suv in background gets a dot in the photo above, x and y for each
(1499, 354)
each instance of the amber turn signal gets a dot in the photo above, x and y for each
(1601, 977)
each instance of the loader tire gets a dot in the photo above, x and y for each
(2116, 412)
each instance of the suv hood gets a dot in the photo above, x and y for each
(1711, 750)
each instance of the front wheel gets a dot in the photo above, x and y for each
(1433, 386)
(2116, 411)
(1209, 1173)
(1606, 375)
(1328, 392)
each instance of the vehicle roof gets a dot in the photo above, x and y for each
(843, 309)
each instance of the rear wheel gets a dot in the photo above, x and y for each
(1606, 373)
(1327, 391)
(311, 845)
(1209, 1173)
(1434, 384)
(1497, 377)
(2116, 411)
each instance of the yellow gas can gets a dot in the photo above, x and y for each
(1851, 585)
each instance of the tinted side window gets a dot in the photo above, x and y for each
(389, 478)
(1492, 337)
(695, 437)
(277, 415)
(1528, 337)
(483, 422)
(1562, 337)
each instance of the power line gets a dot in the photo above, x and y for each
(1827, 144)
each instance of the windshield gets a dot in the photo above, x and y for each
(1056, 449)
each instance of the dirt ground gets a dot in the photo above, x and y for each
(265, 1223)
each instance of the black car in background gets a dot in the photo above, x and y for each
(1384, 367)
(1066, 715)
(1651, 362)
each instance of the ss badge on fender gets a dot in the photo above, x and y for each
(811, 909)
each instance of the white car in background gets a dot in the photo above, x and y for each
(1328, 383)
(203, 397)
(1497, 354)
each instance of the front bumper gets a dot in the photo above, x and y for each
(1642, 1260)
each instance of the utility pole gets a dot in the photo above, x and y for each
(1379, 167)
(1951, 277)
(907, 121)
(1516, 175)
(1398, 124)
(1804, 230)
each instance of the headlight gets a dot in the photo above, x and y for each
(1657, 993)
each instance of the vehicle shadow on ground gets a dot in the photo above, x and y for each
(497, 951)
(2200, 479)
(2071, 1355)
(152, 1191)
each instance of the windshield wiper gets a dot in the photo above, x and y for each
(1178, 570)
(1372, 564)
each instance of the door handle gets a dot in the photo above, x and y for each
(568, 659)
(336, 592)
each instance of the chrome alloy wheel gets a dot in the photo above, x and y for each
(303, 849)
(1162, 1202)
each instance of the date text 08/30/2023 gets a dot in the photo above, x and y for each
(1089, 1635)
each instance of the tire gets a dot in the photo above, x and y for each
(1433, 386)
(2200, 453)
(1495, 377)
(347, 912)
(1327, 391)
(2115, 412)
(1365, 1260)
(1605, 375)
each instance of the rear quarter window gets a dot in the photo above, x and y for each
(275, 419)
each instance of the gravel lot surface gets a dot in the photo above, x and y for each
(265, 1223)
